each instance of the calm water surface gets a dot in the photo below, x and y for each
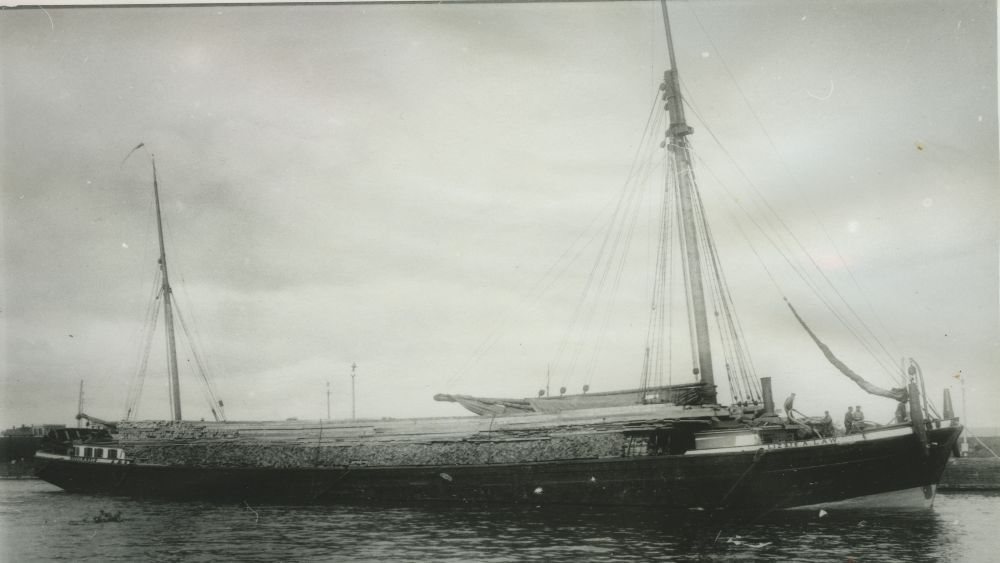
(38, 522)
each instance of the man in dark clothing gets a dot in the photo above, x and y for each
(826, 425)
(849, 420)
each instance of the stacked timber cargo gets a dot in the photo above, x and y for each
(403, 442)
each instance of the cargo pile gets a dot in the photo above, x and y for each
(245, 453)
(401, 442)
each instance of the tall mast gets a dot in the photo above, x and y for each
(168, 313)
(679, 150)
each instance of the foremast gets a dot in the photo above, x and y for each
(175, 389)
(678, 148)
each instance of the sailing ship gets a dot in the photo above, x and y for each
(672, 446)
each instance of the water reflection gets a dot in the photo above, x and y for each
(560, 534)
(194, 531)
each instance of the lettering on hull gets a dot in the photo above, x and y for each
(801, 443)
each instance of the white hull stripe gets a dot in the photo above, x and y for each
(45, 455)
(811, 442)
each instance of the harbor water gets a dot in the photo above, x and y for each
(42, 523)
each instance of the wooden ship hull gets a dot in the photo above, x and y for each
(534, 459)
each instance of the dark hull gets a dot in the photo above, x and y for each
(18, 449)
(17, 456)
(768, 479)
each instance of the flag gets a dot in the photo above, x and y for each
(137, 147)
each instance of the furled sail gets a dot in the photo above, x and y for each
(486, 406)
(895, 394)
(112, 426)
(686, 394)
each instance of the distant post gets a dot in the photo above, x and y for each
(354, 411)
(328, 400)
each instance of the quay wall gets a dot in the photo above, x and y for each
(971, 474)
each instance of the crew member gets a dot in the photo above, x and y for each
(901, 412)
(826, 425)
(849, 420)
(790, 406)
(859, 419)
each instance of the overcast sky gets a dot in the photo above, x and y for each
(407, 187)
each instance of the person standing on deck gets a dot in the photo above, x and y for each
(790, 406)
(859, 419)
(826, 425)
(848, 420)
(901, 412)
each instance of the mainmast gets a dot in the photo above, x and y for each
(175, 389)
(678, 149)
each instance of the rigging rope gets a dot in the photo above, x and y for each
(660, 306)
(603, 264)
(812, 211)
(729, 326)
(895, 394)
(623, 255)
(609, 309)
(624, 212)
(148, 331)
(558, 269)
(786, 254)
(208, 387)
(685, 269)
(741, 379)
